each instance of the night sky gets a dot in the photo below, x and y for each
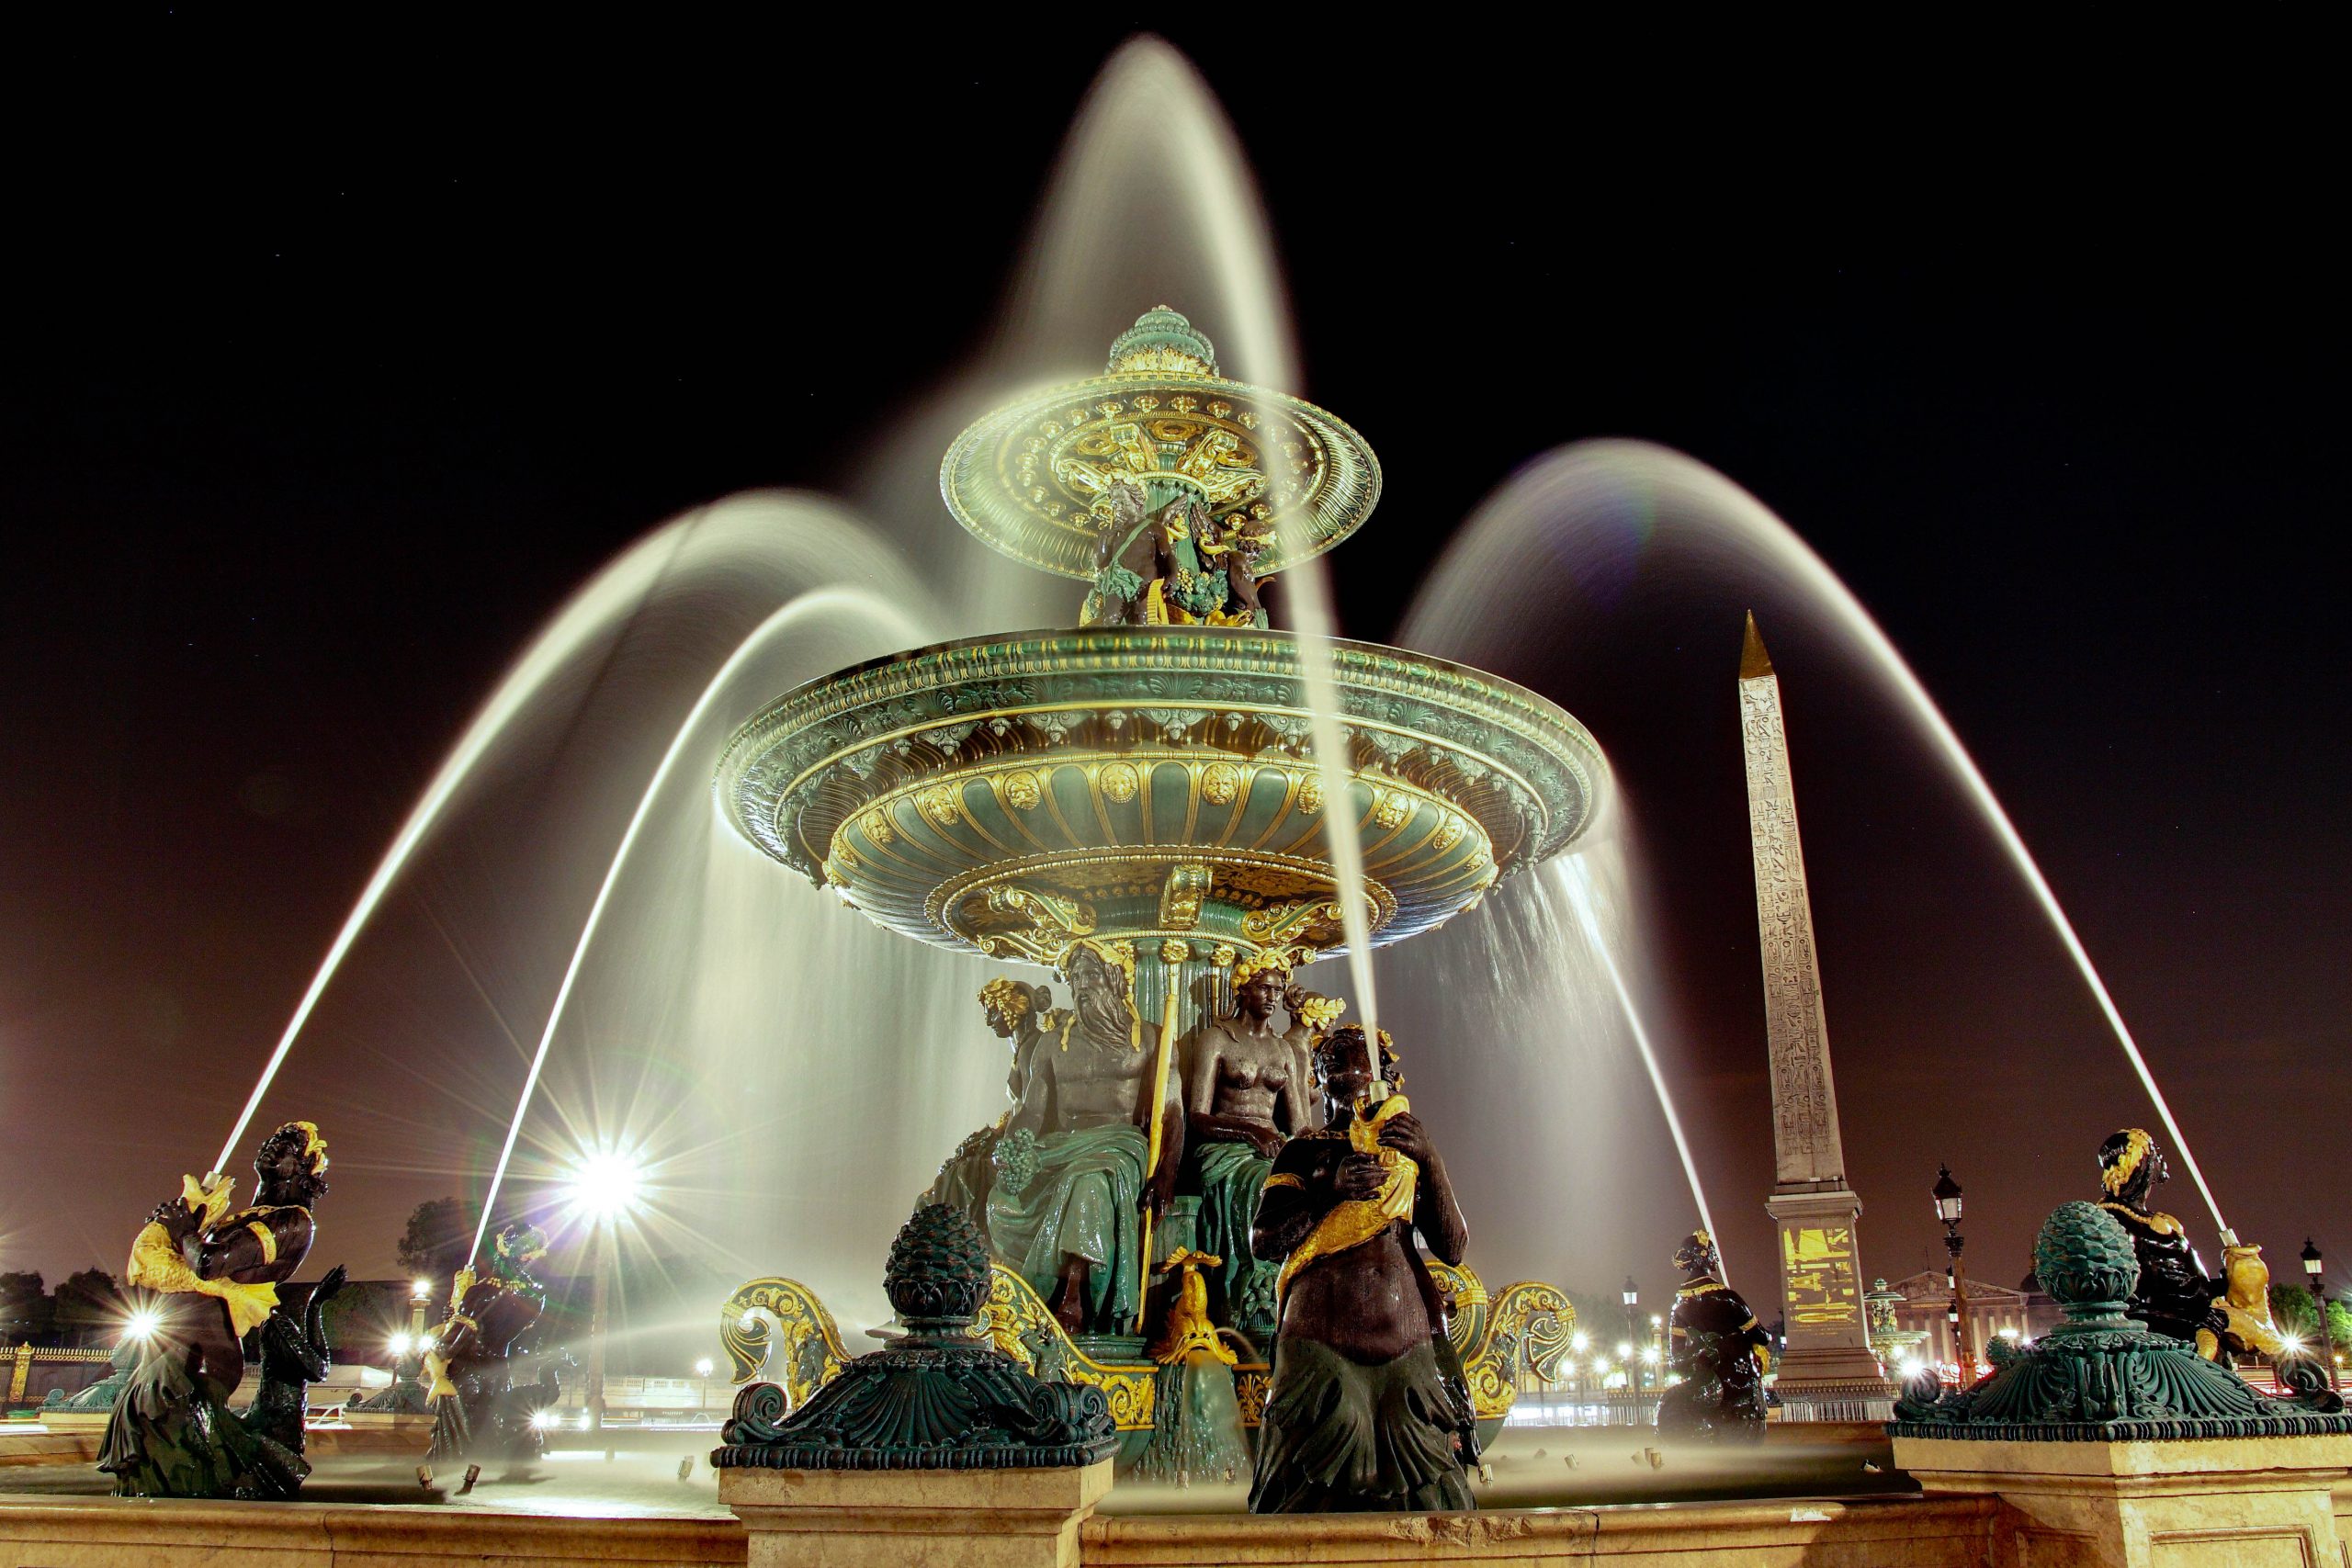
(338, 359)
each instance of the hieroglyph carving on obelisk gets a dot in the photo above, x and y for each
(1821, 1272)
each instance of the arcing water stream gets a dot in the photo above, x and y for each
(1558, 515)
(894, 619)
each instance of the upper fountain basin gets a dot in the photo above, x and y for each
(1153, 781)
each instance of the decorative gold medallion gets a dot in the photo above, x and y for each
(1120, 783)
(1220, 781)
(1023, 791)
(1310, 794)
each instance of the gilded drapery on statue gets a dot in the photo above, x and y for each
(1362, 1414)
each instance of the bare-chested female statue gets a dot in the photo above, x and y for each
(1065, 1210)
(1247, 1090)
(1021, 1014)
(1360, 1416)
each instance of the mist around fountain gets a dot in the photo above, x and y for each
(681, 1001)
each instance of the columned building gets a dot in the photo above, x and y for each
(2025, 1313)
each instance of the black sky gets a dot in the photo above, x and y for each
(340, 355)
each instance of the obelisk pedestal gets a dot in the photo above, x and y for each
(1827, 1372)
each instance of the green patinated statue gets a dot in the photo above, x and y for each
(1021, 1015)
(1362, 1415)
(215, 1271)
(1065, 1210)
(1247, 1090)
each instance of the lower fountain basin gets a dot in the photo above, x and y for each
(1153, 781)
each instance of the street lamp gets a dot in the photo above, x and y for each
(1947, 1196)
(1632, 1331)
(2314, 1268)
(605, 1186)
(702, 1370)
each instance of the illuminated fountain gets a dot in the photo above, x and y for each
(1146, 788)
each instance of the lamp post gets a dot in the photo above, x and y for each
(1948, 1211)
(702, 1370)
(603, 1187)
(1633, 1332)
(409, 1360)
(2314, 1273)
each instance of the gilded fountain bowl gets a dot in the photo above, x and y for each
(1006, 794)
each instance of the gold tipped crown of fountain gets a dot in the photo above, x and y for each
(1035, 478)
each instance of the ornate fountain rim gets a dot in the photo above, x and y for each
(1445, 756)
(1041, 523)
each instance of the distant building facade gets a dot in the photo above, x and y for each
(2026, 1311)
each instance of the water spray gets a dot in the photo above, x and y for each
(628, 580)
(801, 605)
(1576, 880)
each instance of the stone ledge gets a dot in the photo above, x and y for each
(1898, 1532)
(1975, 1464)
(112, 1532)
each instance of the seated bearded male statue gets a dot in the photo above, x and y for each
(1065, 1209)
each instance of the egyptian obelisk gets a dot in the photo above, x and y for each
(1828, 1364)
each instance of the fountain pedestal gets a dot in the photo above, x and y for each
(913, 1518)
(2117, 1448)
(2222, 1502)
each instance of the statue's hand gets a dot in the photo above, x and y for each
(1404, 1133)
(1360, 1177)
(331, 1286)
(1265, 1140)
(178, 1221)
(1156, 1196)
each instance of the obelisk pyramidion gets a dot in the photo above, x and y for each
(1827, 1369)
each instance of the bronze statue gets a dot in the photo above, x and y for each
(294, 1355)
(1172, 565)
(2174, 1295)
(478, 1412)
(1247, 1091)
(1312, 1014)
(2226, 1316)
(1065, 1210)
(1021, 1014)
(1130, 555)
(1718, 1350)
(1361, 1414)
(215, 1272)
